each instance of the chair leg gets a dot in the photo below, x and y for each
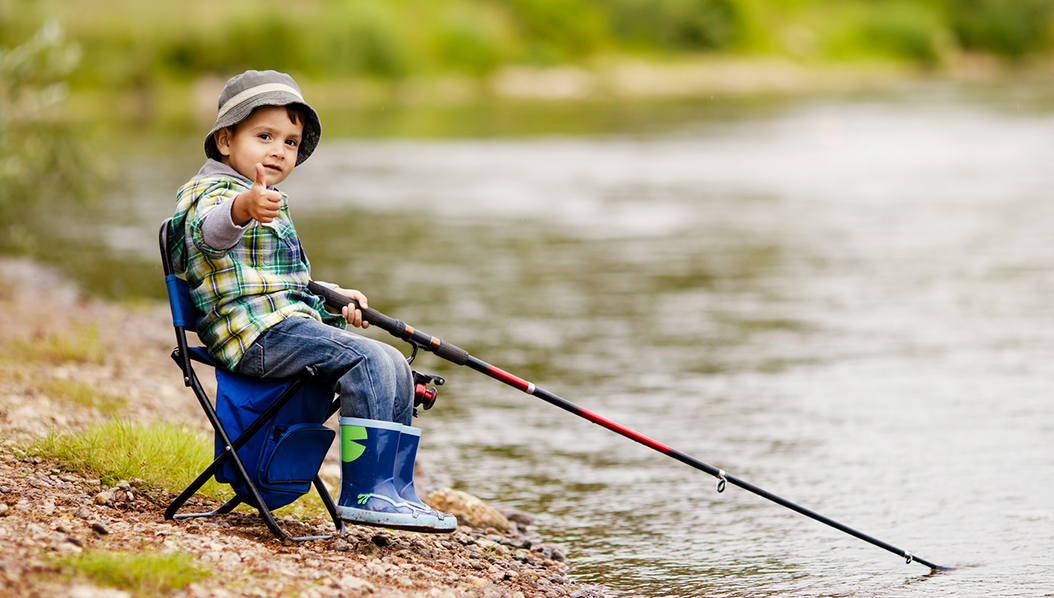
(327, 500)
(231, 453)
(177, 504)
(320, 487)
(227, 507)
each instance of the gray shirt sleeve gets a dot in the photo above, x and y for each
(219, 231)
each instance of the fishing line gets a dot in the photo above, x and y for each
(459, 356)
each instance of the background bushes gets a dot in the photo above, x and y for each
(1012, 28)
(130, 44)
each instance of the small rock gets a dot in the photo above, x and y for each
(5, 490)
(518, 516)
(67, 548)
(99, 528)
(340, 545)
(3, 509)
(521, 555)
(105, 497)
(350, 582)
(464, 538)
(90, 591)
(81, 513)
(381, 540)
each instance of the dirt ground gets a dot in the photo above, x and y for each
(47, 513)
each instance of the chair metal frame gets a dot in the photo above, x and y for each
(184, 355)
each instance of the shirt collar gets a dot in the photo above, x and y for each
(216, 168)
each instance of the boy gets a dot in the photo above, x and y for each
(233, 237)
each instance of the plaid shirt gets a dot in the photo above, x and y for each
(244, 290)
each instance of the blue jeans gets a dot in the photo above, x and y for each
(371, 377)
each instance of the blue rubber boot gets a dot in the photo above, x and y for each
(409, 439)
(368, 496)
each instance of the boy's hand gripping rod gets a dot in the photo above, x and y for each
(459, 356)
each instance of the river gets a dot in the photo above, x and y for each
(846, 302)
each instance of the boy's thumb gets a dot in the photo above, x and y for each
(260, 175)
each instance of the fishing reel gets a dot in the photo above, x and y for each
(425, 395)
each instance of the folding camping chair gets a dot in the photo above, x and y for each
(280, 441)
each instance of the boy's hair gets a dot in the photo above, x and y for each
(297, 115)
(248, 91)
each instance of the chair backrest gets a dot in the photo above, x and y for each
(184, 314)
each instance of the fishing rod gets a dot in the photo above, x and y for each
(458, 356)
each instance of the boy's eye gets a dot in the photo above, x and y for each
(265, 136)
(291, 142)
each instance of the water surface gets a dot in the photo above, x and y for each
(846, 303)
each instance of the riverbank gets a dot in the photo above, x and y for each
(693, 77)
(67, 362)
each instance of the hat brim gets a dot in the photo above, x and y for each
(312, 126)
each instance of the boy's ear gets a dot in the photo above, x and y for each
(223, 141)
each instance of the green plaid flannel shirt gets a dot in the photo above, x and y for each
(244, 290)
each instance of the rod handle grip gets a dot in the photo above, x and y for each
(396, 328)
(338, 300)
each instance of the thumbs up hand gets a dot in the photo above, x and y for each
(258, 203)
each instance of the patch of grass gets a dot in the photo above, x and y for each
(143, 574)
(76, 344)
(84, 395)
(308, 506)
(161, 453)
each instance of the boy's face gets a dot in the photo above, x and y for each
(267, 137)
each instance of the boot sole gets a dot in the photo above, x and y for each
(425, 524)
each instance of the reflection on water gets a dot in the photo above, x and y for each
(844, 303)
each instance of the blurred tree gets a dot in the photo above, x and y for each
(674, 24)
(40, 156)
(1009, 27)
(556, 30)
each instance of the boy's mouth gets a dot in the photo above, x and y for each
(272, 168)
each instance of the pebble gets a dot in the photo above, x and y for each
(3, 509)
(82, 513)
(67, 548)
(352, 583)
(518, 516)
(100, 528)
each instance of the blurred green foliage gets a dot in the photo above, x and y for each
(674, 25)
(130, 44)
(1008, 27)
(40, 153)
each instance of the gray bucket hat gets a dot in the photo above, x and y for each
(252, 89)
